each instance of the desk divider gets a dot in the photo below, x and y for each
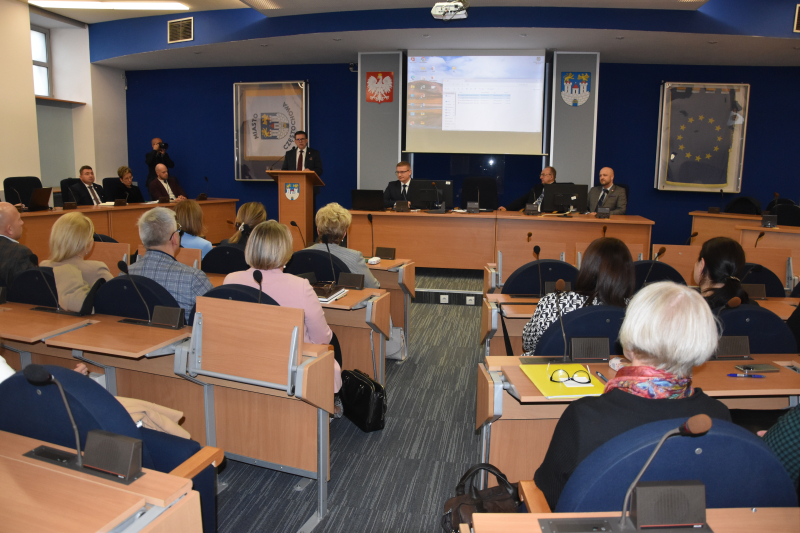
(187, 256)
(681, 258)
(110, 253)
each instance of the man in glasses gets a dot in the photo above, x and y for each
(399, 189)
(535, 195)
(160, 234)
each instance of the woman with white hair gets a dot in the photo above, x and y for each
(668, 330)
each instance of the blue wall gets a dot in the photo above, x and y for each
(192, 109)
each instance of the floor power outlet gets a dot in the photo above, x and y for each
(444, 299)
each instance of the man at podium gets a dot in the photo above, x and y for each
(302, 157)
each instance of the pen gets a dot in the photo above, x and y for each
(745, 376)
(601, 376)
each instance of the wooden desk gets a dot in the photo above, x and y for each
(515, 434)
(517, 312)
(710, 225)
(398, 278)
(42, 497)
(786, 237)
(120, 222)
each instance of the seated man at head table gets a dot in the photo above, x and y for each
(14, 257)
(536, 194)
(160, 234)
(668, 330)
(166, 186)
(87, 192)
(400, 189)
(607, 194)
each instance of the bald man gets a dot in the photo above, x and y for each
(158, 155)
(14, 257)
(607, 194)
(166, 186)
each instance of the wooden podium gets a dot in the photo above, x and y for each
(296, 202)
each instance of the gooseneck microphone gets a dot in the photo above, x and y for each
(272, 167)
(293, 223)
(19, 197)
(661, 251)
(123, 267)
(204, 195)
(760, 234)
(529, 237)
(536, 250)
(721, 201)
(324, 239)
(38, 375)
(35, 261)
(755, 270)
(258, 277)
(372, 230)
(604, 231)
(689, 240)
(559, 289)
(694, 427)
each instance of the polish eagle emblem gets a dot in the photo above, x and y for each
(380, 87)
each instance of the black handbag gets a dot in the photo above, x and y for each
(504, 498)
(363, 399)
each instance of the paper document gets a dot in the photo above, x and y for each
(540, 376)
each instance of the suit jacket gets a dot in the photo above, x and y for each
(528, 198)
(134, 193)
(14, 259)
(616, 199)
(394, 192)
(82, 196)
(152, 159)
(74, 280)
(313, 160)
(157, 190)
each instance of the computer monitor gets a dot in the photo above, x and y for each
(367, 200)
(558, 197)
(426, 193)
(40, 199)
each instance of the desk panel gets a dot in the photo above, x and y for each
(710, 225)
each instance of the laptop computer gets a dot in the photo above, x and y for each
(367, 200)
(40, 199)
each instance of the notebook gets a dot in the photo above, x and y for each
(540, 376)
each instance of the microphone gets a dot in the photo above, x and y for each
(123, 267)
(529, 236)
(330, 258)
(276, 162)
(258, 277)
(293, 223)
(204, 195)
(694, 427)
(559, 288)
(721, 201)
(760, 234)
(689, 240)
(536, 250)
(35, 261)
(372, 230)
(127, 194)
(19, 197)
(38, 375)
(756, 269)
(604, 231)
(661, 251)
(437, 194)
(771, 211)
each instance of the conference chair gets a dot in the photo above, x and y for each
(118, 297)
(239, 293)
(788, 215)
(736, 467)
(20, 189)
(796, 292)
(778, 201)
(793, 323)
(772, 283)
(744, 205)
(66, 193)
(316, 261)
(525, 279)
(487, 187)
(224, 260)
(591, 321)
(99, 237)
(627, 189)
(765, 330)
(660, 272)
(110, 186)
(38, 412)
(30, 287)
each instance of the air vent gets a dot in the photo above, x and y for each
(180, 30)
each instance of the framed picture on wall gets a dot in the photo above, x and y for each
(701, 136)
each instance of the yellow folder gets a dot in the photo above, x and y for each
(540, 375)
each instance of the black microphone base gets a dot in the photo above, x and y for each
(148, 324)
(56, 311)
(608, 525)
(69, 460)
(439, 210)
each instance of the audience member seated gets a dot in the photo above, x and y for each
(71, 239)
(248, 217)
(14, 257)
(668, 330)
(6, 371)
(159, 232)
(87, 192)
(125, 189)
(784, 440)
(606, 277)
(719, 271)
(165, 186)
(268, 250)
(333, 221)
(190, 217)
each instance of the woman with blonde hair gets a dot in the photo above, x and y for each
(248, 217)
(71, 239)
(189, 215)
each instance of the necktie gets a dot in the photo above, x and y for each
(602, 198)
(404, 191)
(300, 160)
(95, 198)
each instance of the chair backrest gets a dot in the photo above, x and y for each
(488, 192)
(224, 260)
(772, 283)
(796, 292)
(774, 259)
(110, 253)
(788, 215)
(30, 287)
(736, 467)
(99, 237)
(118, 297)
(525, 280)
(744, 205)
(591, 321)
(660, 272)
(627, 190)
(315, 261)
(38, 412)
(20, 189)
(66, 194)
(110, 186)
(793, 323)
(240, 293)
(681, 258)
(766, 331)
(186, 256)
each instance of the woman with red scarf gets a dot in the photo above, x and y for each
(668, 330)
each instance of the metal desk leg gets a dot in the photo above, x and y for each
(24, 357)
(407, 312)
(111, 372)
(322, 473)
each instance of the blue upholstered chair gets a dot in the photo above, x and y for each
(118, 297)
(224, 260)
(525, 279)
(315, 261)
(763, 276)
(591, 321)
(661, 272)
(38, 412)
(736, 467)
(240, 293)
(99, 237)
(29, 287)
(766, 331)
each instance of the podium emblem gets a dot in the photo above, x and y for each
(292, 191)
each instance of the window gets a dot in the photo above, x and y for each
(40, 48)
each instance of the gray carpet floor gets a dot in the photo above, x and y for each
(397, 479)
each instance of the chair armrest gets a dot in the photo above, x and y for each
(208, 455)
(533, 497)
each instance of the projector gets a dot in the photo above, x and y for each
(449, 11)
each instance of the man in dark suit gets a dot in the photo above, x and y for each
(166, 186)
(534, 196)
(607, 194)
(400, 189)
(14, 257)
(87, 192)
(301, 157)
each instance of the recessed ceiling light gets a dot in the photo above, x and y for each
(426, 35)
(523, 34)
(138, 6)
(337, 39)
(713, 42)
(619, 37)
(264, 45)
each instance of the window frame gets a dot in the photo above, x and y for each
(47, 64)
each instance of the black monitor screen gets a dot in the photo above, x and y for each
(426, 193)
(558, 197)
